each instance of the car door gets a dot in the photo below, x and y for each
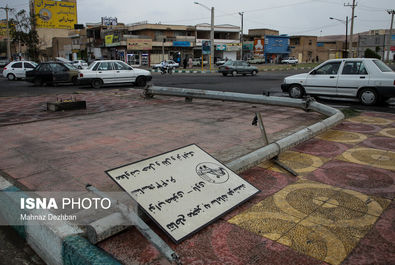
(27, 67)
(124, 73)
(106, 72)
(353, 76)
(17, 69)
(60, 73)
(323, 80)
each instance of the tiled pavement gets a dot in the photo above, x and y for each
(339, 210)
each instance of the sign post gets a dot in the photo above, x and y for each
(183, 190)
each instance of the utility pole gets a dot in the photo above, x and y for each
(8, 32)
(391, 12)
(241, 35)
(212, 39)
(352, 25)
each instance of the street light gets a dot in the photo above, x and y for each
(346, 23)
(211, 32)
(241, 35)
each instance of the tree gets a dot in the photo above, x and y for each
(23, 30)
(371, 54)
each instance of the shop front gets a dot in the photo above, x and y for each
(138, 52)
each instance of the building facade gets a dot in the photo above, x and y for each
(304, 48)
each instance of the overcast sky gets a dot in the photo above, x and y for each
(294, 17)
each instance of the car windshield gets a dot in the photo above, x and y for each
(91, 65)
(70, 66)
(382, 66)
(229, 62)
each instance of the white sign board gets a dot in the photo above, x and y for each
(183, 190)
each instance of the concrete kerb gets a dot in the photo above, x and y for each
(55, 244)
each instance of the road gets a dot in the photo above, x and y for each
(263, 83)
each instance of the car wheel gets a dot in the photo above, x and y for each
(296, 91)
(224, 74)
(11, 77)
(38, 82)
(97, 83)
(141, 81)
(253, 73)
(368, 96)
(234, 73)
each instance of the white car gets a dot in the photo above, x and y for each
(80, 64)
(290, 60)
(17, 69)
(369, 80)
(113, 72)
(169, 63)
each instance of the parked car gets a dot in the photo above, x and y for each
(18, 69)
(369, 80)
(256, 60)
(198, 62)
(53, 73)
(3, 61)
(290, 60)
(237, 67)
(170, 63)
(220, 62)
(80, 64)
(113, 72)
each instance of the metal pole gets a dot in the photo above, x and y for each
(241, 35)
(346, 55)
(212, 38)
(391, 12)
(352, 26)
(163, 49)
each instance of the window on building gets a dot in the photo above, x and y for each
(310, 42)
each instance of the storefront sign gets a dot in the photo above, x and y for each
(55, 14)
(393, 48)
(248, 46)
(181, 44)
(221, 47)
(234, 47)
(206, 47)
(108, 39)
(183, 190)
(139, 44)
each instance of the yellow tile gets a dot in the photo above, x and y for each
(370, 157)
(388, 132)
(342, 136)
(301, 163)
(370, 120)
(317, 241)
(265, 219)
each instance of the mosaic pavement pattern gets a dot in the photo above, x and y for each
(340, 209)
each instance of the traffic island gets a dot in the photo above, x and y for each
(71, 104)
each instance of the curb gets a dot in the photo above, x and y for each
(55, 244)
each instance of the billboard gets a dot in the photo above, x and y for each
(55, 14)
(258, 46)
(139, 44)
(206, 47)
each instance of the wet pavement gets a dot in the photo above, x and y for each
(339, 210)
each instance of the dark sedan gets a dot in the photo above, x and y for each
(237, 67)
(52, 73)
